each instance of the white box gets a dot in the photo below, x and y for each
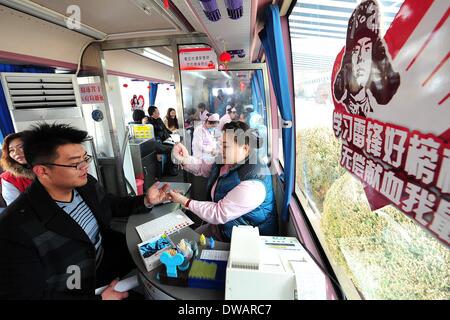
(150, 251)
(271, 268)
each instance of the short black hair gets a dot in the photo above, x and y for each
(151, 110)
(244, 134)
(41, 141)
(201, 105)
(138, 115)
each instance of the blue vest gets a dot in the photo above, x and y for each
(264, 217)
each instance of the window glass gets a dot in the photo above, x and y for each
(378, 254)
(241, 92)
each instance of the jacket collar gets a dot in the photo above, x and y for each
(54, 218)
(252, 158)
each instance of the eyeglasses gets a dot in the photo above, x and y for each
(79, 165)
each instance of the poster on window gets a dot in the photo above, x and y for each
(392, 109)
(194, 59)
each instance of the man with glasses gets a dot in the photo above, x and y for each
(55, 239)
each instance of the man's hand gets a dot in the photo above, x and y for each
(157, 195)
(177, 197)
(110, 294)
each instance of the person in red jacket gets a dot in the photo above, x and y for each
(16, 176)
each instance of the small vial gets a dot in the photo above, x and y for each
(202, 240)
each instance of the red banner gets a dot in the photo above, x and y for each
(194, 59)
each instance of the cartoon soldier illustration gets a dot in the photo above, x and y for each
(366, 72)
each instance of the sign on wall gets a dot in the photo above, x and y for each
(91, 93)
(392, 109)
(137, 102)
(194, 59)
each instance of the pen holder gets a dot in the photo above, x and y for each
(185, 265)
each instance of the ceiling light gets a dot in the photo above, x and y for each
(159, 57)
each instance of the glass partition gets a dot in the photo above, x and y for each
(241, 92)
(221, 96)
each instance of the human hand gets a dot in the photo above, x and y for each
(157, 195)
(111, 294)
(179, 153)
(177, 197)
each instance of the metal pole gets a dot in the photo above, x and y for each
(122, 189)
(177, 77)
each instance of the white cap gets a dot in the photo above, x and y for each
(213, 117)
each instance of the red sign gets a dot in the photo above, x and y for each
(193, 59)
(91, 93)
(392, 110)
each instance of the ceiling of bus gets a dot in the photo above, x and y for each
(136, 18)
(326, 21)
(228, 34)
(113, 16)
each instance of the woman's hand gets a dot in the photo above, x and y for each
(180, 153)
(177, 197)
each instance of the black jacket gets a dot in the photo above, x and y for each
(161, 131)
(40, 243)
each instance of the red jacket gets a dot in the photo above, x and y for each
(21, 183)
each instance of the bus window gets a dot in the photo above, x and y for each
(379, 254)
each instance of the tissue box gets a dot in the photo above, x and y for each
(151, 250)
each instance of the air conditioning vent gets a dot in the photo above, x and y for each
(39, 91)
